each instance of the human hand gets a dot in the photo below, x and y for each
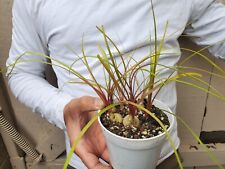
(92, 146)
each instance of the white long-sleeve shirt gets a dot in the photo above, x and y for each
(50, 26)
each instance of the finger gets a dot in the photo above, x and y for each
(87, 103)
(92, 162)
(101, 166)
(105, 156)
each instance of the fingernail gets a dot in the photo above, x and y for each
(98, 103)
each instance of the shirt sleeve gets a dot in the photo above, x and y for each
(26, 79)
(208, 26)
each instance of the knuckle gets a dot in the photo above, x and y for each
(86, 102)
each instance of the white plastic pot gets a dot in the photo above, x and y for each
(136, 153)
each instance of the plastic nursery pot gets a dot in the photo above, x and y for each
(128, 153)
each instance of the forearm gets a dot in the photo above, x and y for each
(36, 93)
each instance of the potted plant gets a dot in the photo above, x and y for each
(135, 124)
(134, 127)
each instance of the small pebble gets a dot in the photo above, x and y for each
(144, 132)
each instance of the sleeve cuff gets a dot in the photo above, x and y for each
(64, 99)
